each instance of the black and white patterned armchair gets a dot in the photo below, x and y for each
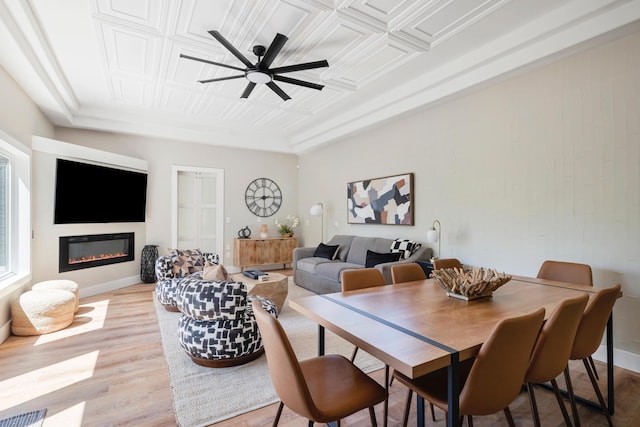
(174, 267)
(217, 327)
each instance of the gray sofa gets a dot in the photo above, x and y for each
(322, 275)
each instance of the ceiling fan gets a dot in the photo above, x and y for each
(260, 71)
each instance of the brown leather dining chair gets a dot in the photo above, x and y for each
(322, 389)
(363, 278)
(408, 272)
(446, 263)
(551, 353)
(588, 339)
(360, 278)
(490, 381)
(562, 271)
(570, 272)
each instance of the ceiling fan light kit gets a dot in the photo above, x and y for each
(256, 76)
(260, 72)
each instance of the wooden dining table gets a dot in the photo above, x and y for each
(415, 328)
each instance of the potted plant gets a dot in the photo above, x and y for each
(286, 228)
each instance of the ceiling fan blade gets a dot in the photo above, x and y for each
(274, 49)
(274, 87)
(248, 90)
(297, 82)
(206, 61)
(224, 42)
(219, 79)
(300, 67)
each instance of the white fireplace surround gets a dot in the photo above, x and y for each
(91, 281)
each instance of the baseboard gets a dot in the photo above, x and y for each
(622, 359)
(108, 286)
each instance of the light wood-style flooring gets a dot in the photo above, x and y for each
(108, 369)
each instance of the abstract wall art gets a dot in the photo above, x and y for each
(387, 200)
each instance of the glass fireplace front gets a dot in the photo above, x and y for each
(93, 250)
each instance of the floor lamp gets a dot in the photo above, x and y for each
(317, 210)
(433, 235)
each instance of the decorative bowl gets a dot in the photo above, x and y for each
(474, 283)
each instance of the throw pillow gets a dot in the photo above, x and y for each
(375, 258)
(215, 273)
(405, 247)
(186, 262)
(326, 251)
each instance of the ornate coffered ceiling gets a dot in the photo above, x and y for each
(115, 64)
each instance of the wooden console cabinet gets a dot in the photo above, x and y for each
(255, 252)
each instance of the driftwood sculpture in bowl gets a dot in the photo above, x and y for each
(477, 282)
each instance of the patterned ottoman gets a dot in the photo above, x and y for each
(217, 327)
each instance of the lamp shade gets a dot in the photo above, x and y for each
(433, 235)
(316, 210)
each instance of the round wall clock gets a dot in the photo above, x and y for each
(263, 197)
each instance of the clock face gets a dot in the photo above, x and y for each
(263, 197)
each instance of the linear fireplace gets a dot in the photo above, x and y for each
(93, 250)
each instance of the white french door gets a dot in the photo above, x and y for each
(198, 209)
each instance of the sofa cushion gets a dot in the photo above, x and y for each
(309, 264)
(375, 258)
(326, 251)
(360, 246)
(344, 241)
(331, 270)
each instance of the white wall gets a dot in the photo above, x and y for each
(19, 117)
(542, 166)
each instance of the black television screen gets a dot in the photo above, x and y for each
(87, 193)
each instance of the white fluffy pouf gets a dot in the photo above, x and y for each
(63, 284)
(41, 312)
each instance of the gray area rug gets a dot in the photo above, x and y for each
(28, 419)
(203, 396)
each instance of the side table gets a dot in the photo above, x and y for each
(276, 288)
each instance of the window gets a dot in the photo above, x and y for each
(5, 178)
(15, 212)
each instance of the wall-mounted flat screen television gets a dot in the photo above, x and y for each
(88, 193)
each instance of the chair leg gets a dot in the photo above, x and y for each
(469, 421)
(563, 408)
(593, 366)
(572, 397)
(353, 355)
(310, 423)
(386, 401)
(533, 405)
(507, 413)
(277, 418)
(598, 393)
(433, 412)
(407, 407)
(372, 415)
